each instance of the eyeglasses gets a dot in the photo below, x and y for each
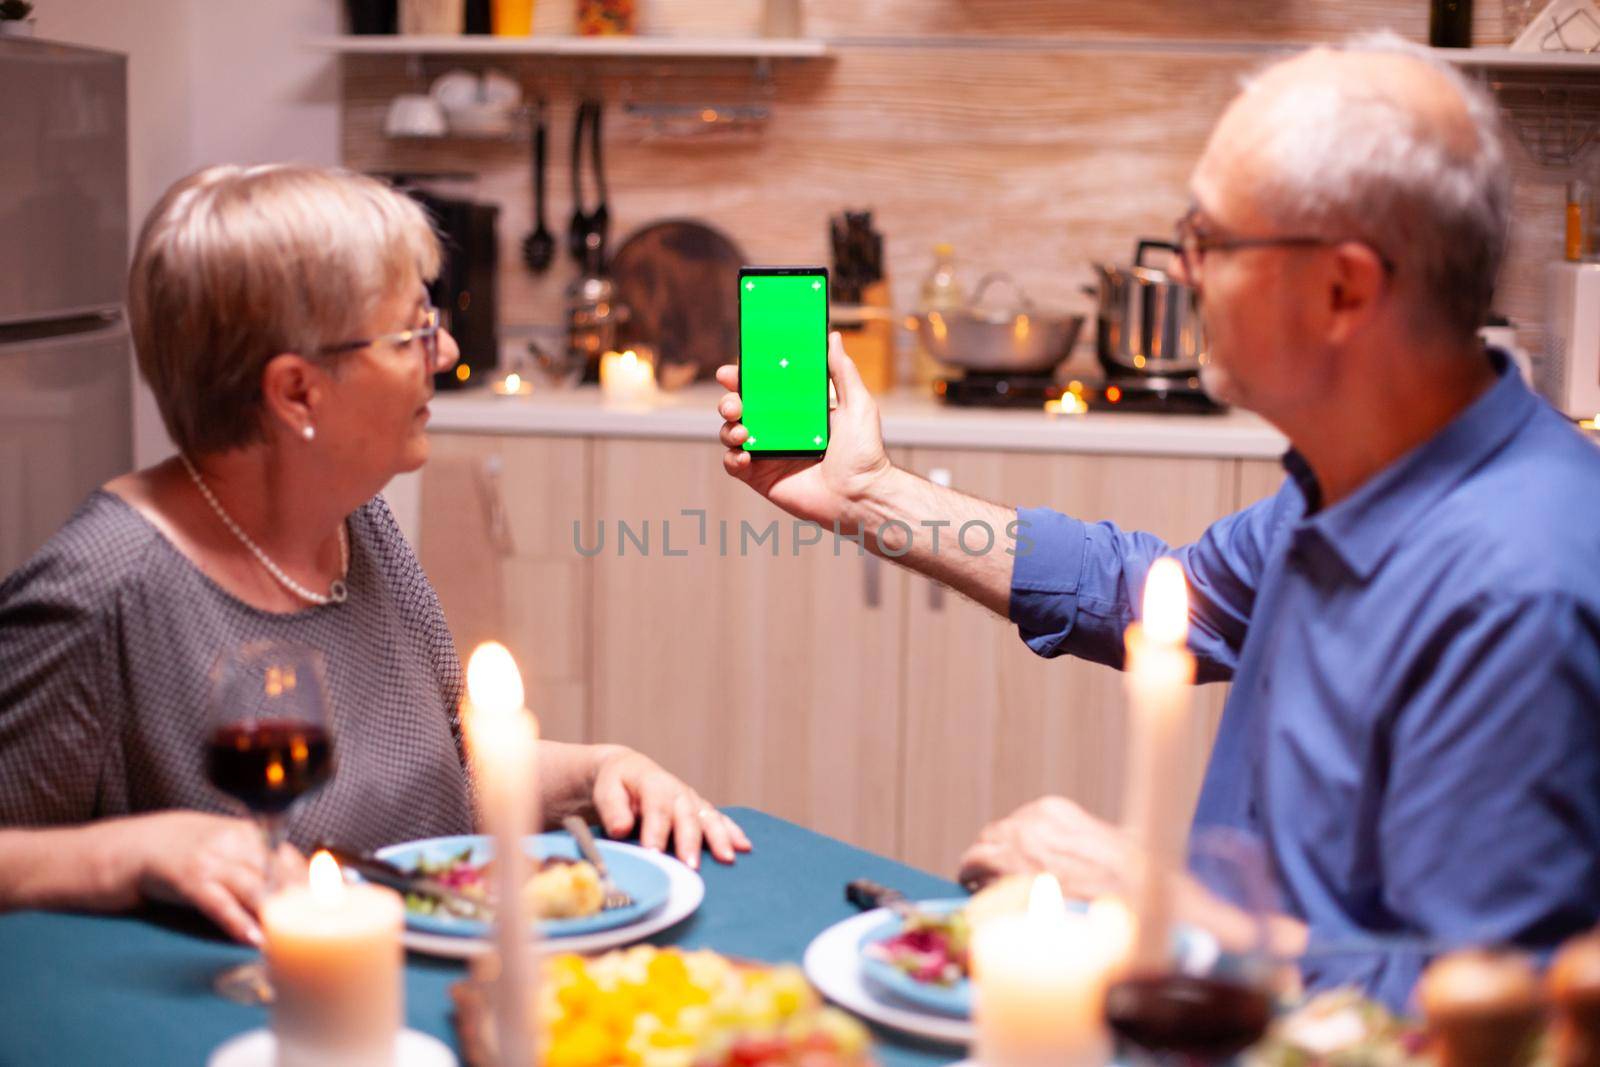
(1194, 241)
(427, 333)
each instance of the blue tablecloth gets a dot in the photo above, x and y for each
(84, 990)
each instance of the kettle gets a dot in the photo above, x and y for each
(1148, 323)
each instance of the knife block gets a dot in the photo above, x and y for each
(867, 330)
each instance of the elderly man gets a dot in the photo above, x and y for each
(1412, 623)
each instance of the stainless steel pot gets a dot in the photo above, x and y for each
(1015, 340)
(1148, 322)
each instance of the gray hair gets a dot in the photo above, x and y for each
(1344, 161)
(238, 264)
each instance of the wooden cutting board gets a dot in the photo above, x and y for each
(680, 281)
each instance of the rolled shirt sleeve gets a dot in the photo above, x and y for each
(1489, 826)
(1075, 586)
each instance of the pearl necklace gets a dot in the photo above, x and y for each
(337, 591)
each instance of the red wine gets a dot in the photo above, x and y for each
(269, 764)
(1209, 1018)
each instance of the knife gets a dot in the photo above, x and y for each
(384, 873)
(867, 894)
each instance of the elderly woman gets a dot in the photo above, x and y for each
(281, 321)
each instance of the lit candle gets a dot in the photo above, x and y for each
(503, 740)
(512, 384)
(335, 959)
(1160, 685)
(1039, 981)
(627, 378)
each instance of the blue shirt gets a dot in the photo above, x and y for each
(1414, 724)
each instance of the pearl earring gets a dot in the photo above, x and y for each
(309, 433)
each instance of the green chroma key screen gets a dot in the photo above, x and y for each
(783, 359)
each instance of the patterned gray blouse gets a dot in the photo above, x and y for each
(107, 636)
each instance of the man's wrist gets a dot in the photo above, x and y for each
(879, 501)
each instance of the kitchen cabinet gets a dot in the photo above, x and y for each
(988, 724)
(1258, 479)
(495, 538)
(829, 688)
(763, 676)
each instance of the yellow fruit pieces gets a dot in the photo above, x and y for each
(650, 1007)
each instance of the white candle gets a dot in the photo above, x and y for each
(1160, 684)
(335, 959)
(503, 741)
(627, 378)
(1039, 981)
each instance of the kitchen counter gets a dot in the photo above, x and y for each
(910, 419)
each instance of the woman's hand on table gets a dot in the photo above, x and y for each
(631, 789)
(213, 863)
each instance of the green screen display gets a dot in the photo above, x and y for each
(783, 360)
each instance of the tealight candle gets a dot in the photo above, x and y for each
(512, 384)
(1160, 684)
(1039, 981)
(334, 954)
(502, 740)
(1067, 404)
(627, 377)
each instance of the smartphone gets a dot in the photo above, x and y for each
(783, 360)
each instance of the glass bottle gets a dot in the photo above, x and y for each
(940, 289)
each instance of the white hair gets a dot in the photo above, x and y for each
(1346, 160)
(238, 264)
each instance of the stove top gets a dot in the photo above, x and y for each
(998, 390)
(1160, 395)
(1177, 396)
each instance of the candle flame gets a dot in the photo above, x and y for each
(1044, 898)
(629, 358)
(327, 881)
(493, 682)
(1166, 603)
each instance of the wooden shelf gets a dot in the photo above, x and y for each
(645, 47)
(1505, 59)
(632, 47)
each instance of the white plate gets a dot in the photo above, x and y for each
(259, 1048)
(833, 963)
(685, 892)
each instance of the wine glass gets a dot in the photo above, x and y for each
(268, 745)
(1213, 998)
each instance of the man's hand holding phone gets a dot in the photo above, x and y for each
(824, 490)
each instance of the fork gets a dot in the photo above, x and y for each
(612, 896)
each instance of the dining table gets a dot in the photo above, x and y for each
(136, 988)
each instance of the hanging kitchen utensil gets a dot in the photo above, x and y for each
(539, 247)
(584, 222)
(600, 217)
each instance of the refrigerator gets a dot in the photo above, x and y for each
(65, 353)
